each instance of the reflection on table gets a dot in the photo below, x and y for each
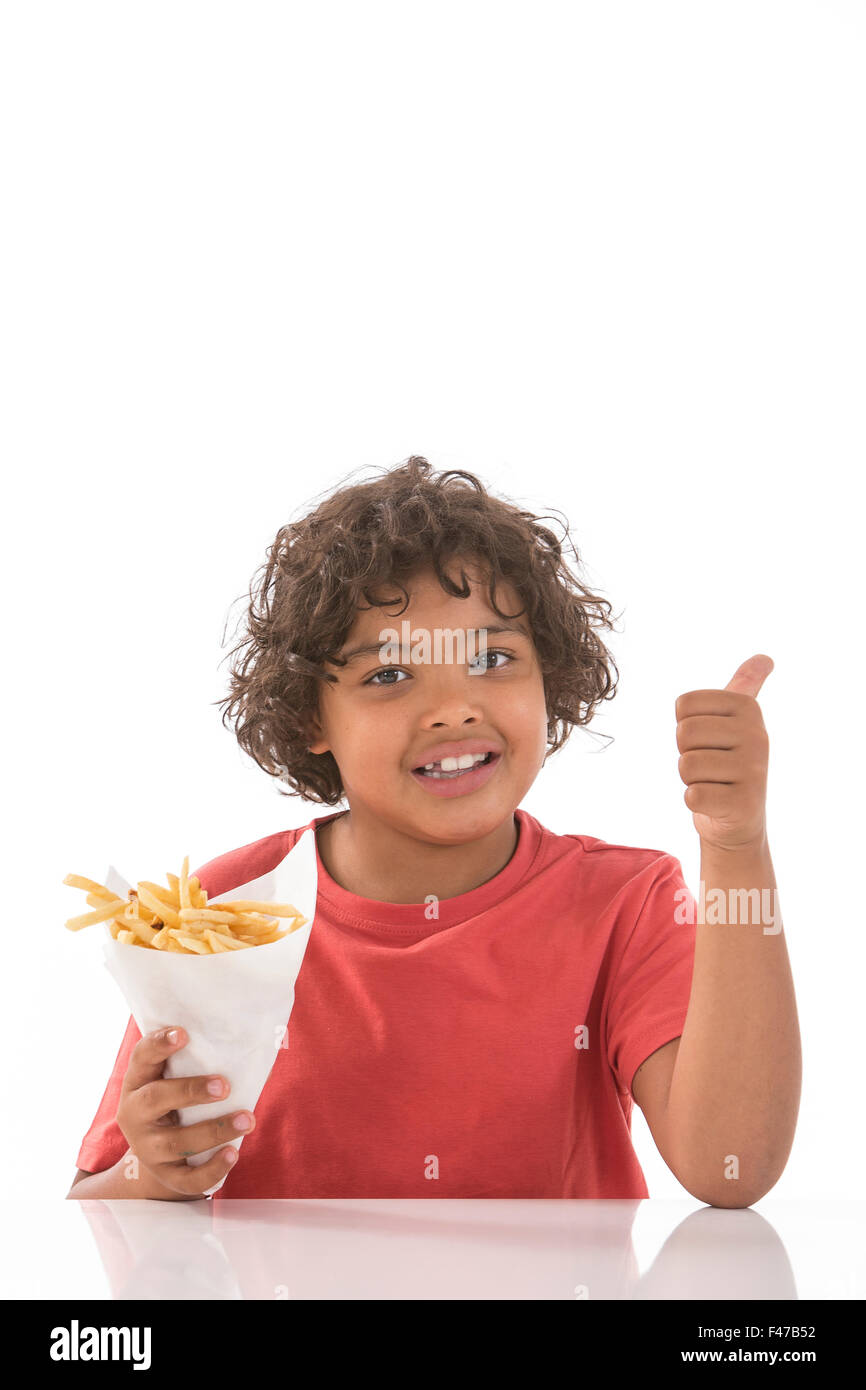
(421, 1249)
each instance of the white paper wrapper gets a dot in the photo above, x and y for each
(235, 1006)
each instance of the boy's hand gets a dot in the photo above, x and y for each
(725, 751)
(147, 1118)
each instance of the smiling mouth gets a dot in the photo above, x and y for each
(460, 772)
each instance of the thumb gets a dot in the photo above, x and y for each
(748, 678)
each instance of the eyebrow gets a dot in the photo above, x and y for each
(354, 652)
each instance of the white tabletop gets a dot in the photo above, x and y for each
(432, 1249)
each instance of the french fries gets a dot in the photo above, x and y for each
(177, 918)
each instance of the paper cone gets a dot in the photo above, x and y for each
(234, 1006)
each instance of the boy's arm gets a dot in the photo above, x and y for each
(726, 1124)
(115, 1183)
(651, 1087)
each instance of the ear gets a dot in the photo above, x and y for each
(313, 730)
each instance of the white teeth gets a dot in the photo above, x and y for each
(453, 766)
(465, 760)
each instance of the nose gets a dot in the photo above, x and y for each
(452, 696)
(453, 708)
(453, 723)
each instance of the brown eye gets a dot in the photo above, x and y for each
(386, 670)
(494, 651)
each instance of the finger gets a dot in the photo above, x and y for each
(182, 1177)
(183, 1141)
(706, 731)
(157, 1098)
(711, 799)
(750, 676)
(149, 1056)
(707, 765)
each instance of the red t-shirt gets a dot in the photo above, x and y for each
(488, 1052)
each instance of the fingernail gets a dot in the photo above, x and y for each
(172, 1036)
(241, 1122)
(215, 1088)
(230, 1155)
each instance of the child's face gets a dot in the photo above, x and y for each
(380, 721)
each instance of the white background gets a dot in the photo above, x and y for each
(607, 257)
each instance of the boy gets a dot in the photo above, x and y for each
(481, 1000)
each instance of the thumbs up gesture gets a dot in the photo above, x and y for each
(724, 751)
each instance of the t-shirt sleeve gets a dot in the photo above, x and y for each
(104, 1144)
(649, 993)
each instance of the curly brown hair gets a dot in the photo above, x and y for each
(303, 603)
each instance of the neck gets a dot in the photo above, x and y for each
(376, 861)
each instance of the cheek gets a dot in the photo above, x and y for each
(370, 747)
(525, 707)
